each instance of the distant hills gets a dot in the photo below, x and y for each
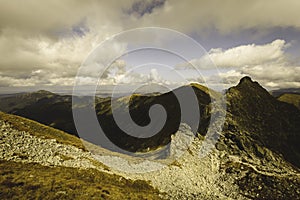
(279, 92)
(250, 107)
(56, 111)
(291, 99)
(288, 95)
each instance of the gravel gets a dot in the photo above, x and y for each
(20, 146)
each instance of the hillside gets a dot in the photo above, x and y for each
(42, 106)
(291, 99)
(56, 111)
(258, 116)
(41, 162)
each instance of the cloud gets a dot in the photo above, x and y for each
(269, 76)
(136, 78)
(22, 56)
(232, 15)
(44, 43)
(247, 55)
(52, 37)
(55, 18)
(269, 64)
(142, 7)
(240, 56)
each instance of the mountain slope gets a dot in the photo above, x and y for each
(46, 163)
(279, 92)
(250, 108)
(20, 100)
(291, 99)
(139, 107)
(42, 106)
(56, 111)
(257, 116)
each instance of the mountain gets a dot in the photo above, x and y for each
(256, 117)
(139, 106)
(250, 107)
(56, 111)
(263, 133)
(291, 99)
(21, 100)
(42, 106)
(256, 156)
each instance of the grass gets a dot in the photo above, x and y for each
(291, 99)
(34, 181)
(40, 130)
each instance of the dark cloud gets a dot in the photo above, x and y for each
(142, 7)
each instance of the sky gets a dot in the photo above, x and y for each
(44, 43)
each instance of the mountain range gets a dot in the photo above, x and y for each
(261, 131)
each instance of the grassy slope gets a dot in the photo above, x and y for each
(34, 181)
(291, 98)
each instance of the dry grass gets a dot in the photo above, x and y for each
(34, 181)
(291, 99)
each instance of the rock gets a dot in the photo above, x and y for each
(220, 146)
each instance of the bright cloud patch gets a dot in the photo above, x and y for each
(268, 64)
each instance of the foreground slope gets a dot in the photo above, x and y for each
(40, 162)
(30, 180)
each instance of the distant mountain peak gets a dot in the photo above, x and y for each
(268, 121)
(248, 82)
(43, 92)
(245, 79)
(248, 87)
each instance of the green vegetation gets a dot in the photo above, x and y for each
(34, 181)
